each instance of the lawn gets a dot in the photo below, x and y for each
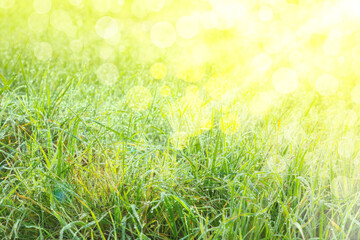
(169, 119)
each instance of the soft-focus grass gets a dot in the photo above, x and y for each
(73, 168)
(76, 162)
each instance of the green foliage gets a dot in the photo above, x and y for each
(74, 167)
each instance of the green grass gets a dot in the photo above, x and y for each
(77, 162)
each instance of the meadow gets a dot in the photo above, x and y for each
(180, 119)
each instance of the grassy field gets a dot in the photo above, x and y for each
(179, 119)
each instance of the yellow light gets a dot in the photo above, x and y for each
(190, 74)
(165, 91)
(291, 14)
(114, 40)
(355, 94)
(226, 13)
(261, 103)
(107, 53)
(285, 80)
(293, 1)
(139, 9)
(102, 5)
(163, 34)
(187, 27)
(265, 14)
(62, 21)
(351, 8)
(107, 74)
(42, 6)
(106, 27)
(350, 118)
(76, 45)
(43, 51)
(155, 5)
(331, 14)
(191, 90)
(332, 45)
(200, 54)
(38, 22)
(6, 3)
(158, 70)
(208, 20)
(327, 84)
(75, 2)
(280, 38)
(262, 62)
(116, 6)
